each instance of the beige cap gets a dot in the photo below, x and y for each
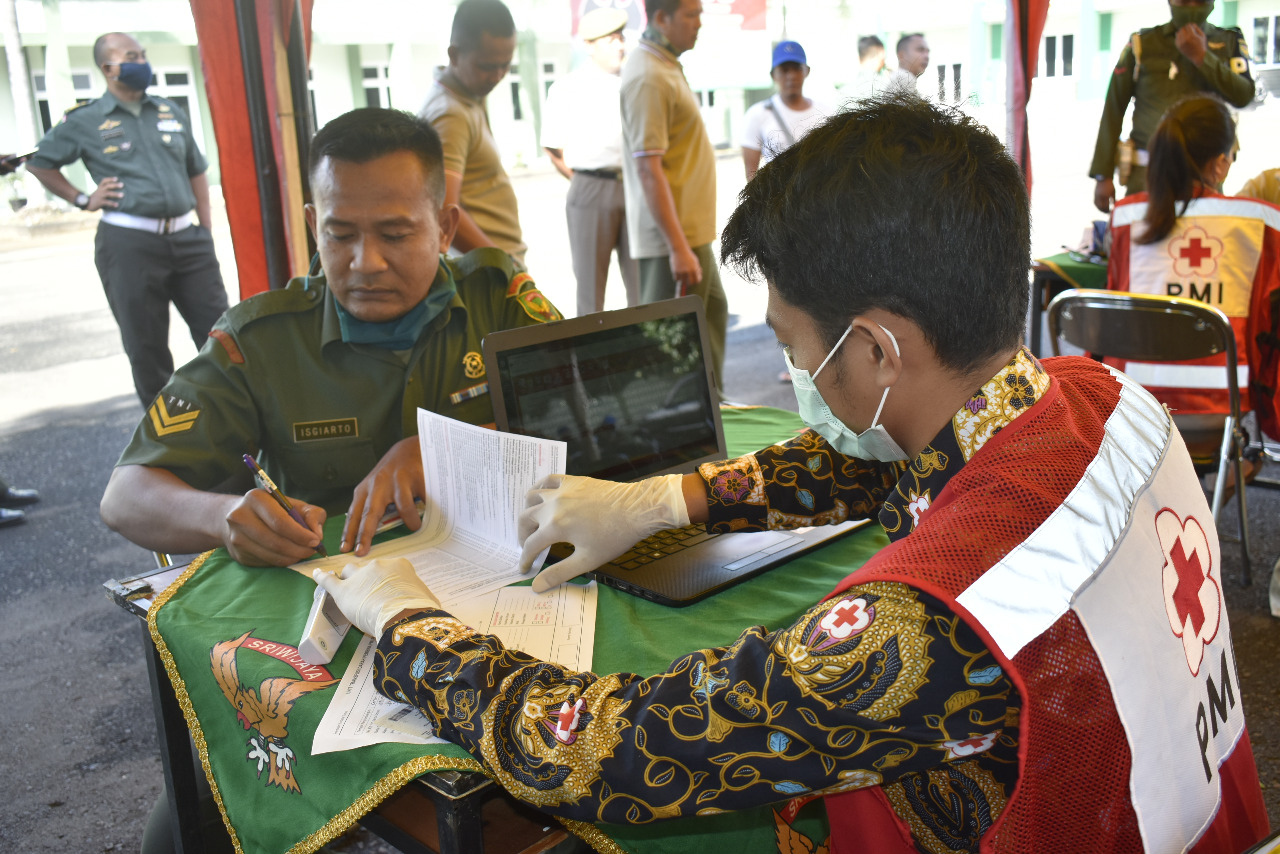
(601, 22)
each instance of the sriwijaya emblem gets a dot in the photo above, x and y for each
(265, 712)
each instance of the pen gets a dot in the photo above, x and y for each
(266, 484)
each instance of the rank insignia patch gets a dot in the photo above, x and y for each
(179, 420)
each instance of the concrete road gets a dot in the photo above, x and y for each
(79, 752)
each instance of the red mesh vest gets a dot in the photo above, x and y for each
(1073, 789)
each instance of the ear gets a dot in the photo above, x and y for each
(876, 351)
(453, 56)
(309, 211)
(449, 217)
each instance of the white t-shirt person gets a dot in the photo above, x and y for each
(770, 126)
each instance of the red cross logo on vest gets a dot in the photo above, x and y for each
(1195, 253)
(1192, 584)
(847, 617)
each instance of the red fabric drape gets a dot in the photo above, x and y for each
(220, 56)
(1024, 26)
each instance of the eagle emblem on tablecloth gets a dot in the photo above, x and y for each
(265, 711)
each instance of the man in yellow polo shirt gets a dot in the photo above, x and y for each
(669, 170)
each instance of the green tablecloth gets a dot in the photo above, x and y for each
(1078, 273)
(227, 635)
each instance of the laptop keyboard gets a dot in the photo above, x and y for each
(660, 545)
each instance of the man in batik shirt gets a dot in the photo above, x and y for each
(1027, 653)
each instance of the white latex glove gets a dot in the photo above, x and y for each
(371, 594)
(602, 519)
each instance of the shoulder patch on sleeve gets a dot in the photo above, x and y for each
(531, 300)
(229, 344)
(173, 416)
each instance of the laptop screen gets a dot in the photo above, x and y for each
(629, 401)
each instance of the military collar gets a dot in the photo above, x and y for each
(331, 327)
(1017, 387)
(109, 102)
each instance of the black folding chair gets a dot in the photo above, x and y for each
(1145, 328)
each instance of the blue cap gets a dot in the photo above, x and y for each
(787, 52)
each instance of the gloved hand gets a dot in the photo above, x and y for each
(370, 595)
(602, 519)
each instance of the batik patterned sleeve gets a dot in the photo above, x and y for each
(873, 685)
(801, 482)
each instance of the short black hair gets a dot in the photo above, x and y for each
(902, 42)
(866, 44)
(476, 17)
(100, 47)
(897, 205)
(372, 132)
(653, 7)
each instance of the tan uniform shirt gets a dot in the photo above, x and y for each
(660, 115)
(470, 151)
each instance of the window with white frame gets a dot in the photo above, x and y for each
(377, 85)
(1266, 40)
(1057, 56)
(81, 82)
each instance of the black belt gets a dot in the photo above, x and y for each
(605, 174)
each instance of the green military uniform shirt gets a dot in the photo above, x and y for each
(276, 379)
(1165, 75)
(153, 153)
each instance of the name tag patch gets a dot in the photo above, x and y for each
(314, 431)
(169, 126)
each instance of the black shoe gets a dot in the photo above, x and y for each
(18, 497)
(10, 517)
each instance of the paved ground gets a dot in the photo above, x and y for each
(79, 751)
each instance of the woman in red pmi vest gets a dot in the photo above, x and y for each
(1183, 238)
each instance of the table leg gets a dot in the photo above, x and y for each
(458, 822)
(175, 755)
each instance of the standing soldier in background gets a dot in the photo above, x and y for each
(481, 46)
(1158, 66)
(670, 170)
(582, 133)
(153, 244)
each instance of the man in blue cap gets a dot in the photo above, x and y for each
(772, 125)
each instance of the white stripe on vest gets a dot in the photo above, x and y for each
(1153, 610)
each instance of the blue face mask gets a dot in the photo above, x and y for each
(136, 75)
(874, 443)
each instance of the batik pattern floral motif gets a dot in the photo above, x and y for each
(1016, 388)
(860, 690)
(798, 483)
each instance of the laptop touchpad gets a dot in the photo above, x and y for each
(733, 551)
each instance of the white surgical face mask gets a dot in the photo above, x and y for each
(874, 443)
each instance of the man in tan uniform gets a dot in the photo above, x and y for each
(481, 46)
(669, 170)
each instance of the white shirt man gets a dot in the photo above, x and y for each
(772, 125)
(582, 134)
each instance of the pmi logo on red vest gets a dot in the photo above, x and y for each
(1193, 602)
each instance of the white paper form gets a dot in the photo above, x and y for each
(558, 626)
(476, 482)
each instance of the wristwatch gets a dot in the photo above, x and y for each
(1098, 177)
(82, 201)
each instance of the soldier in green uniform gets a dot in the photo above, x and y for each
(1158, 66)
(321, 380)
(153, 244)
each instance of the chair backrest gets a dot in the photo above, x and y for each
(1144, 328)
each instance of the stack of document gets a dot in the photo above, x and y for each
(467, 552)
